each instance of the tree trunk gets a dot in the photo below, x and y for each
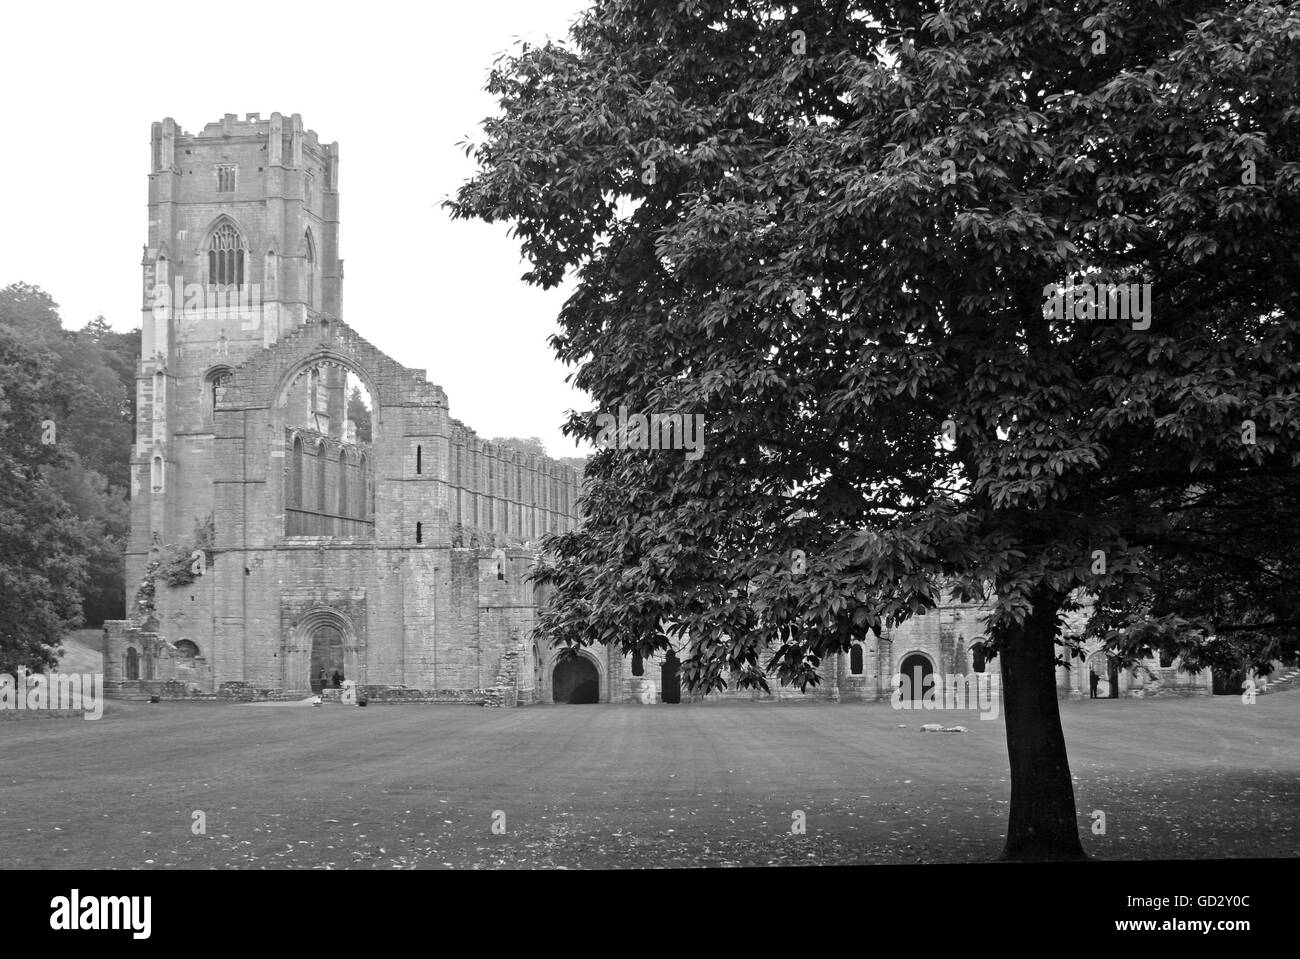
(1043, 822)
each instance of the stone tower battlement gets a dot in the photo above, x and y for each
(243, 241)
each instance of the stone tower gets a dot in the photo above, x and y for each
(391, 547)
(243, 249)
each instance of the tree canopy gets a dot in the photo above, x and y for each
(532, 444)
(44, 547)
(67, 408)
(835, 230)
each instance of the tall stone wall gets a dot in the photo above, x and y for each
(507, 493)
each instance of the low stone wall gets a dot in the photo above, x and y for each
(172, 690)
(16, 714)
(377, 695)
(778, 693)
(240, 692)
(1166, 691)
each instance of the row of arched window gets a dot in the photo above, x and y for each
(512, 481)
(530, 489)
(855, 661)
(186, 650)
(856, 664)
(327, 493)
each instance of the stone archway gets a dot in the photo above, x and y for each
(323, 638)
(575, 680)
(915, 668)
(1107, 670)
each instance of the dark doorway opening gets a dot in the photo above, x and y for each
(575, 681)
(326, 656)
(915, 668)
(669, 679)
(1224, 683)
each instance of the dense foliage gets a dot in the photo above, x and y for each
(66, 414)
(832, 229)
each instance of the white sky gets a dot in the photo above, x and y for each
(396, 84)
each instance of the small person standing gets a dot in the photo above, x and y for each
(324, 678)
(1093, 679)
(338, 679)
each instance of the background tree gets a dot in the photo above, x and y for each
(1224, 590)
(532, 444)
(44, 547)
(92, 384)
(360, 415)
(105, 512)
(830, 229)
(120, 352)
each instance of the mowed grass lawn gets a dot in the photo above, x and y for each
(626, 785)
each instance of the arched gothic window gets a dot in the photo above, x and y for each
(309, 245)
(363, 502)
(320, 478)
(215, 378)
(132, 664)
(343, 483)
(295, 473)
(270, 275)
(226, 257)
(855, 659)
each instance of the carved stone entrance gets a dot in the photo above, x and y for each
(575, 681)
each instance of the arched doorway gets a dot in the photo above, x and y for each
(1225, 683)
(575, 681)
(326, 655)
(915, 668)
(1107, 670)
(669, 680)
(322, 637)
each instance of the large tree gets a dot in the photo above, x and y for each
(44, 546)
(88, 391)
(831, 229)
(95, 377)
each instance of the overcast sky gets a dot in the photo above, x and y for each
(396, 84)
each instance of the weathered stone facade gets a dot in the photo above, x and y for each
(399, 559)
(942, 642)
